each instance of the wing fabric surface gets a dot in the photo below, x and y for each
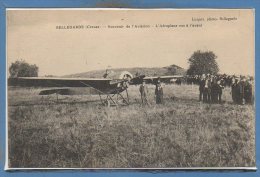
(58, 82)
(70, 91)
(165, 79)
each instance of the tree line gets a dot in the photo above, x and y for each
(199, 63)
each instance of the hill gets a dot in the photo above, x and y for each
(155, 71)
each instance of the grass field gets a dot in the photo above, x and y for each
(77, 131)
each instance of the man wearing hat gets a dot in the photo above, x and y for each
(159, 92)
(144, 93)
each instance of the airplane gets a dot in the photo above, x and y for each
(110, 91)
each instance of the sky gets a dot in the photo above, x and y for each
(32, 35)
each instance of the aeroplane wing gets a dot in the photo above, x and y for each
(63, 85)
(165, 79)
(58, 82)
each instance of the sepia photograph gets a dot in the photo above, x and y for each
(130, 88)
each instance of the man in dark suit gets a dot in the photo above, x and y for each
(159, 93)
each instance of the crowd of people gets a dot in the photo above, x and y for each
(195, 79)
(210, 88)
(242, 90)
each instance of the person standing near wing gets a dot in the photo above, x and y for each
(159, 92)
(144, 93)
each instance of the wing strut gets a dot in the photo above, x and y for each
(109, 101)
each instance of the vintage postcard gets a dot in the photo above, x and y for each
(130, 89)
